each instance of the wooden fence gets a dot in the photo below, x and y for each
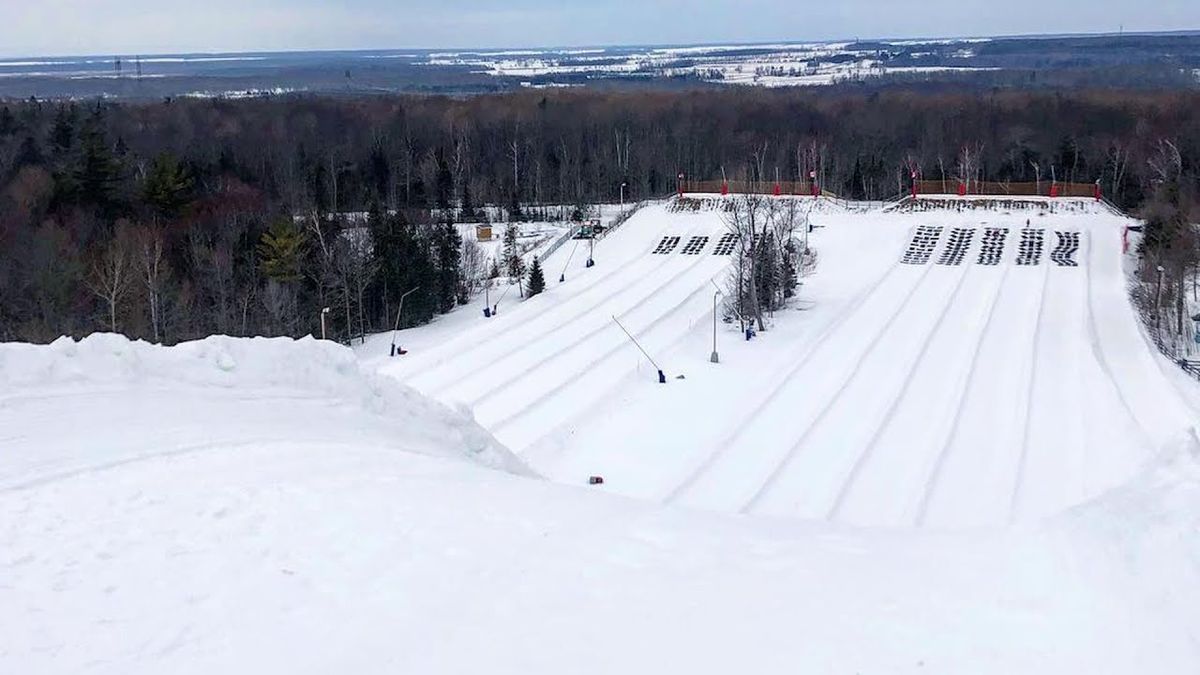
(742, 187)
(996, 189)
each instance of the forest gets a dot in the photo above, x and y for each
(181, 218)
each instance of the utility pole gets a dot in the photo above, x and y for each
(398, 313)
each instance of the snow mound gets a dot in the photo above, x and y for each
(245, 368)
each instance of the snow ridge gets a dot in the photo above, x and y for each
(228, 367)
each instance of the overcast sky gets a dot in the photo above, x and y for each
(68, 27)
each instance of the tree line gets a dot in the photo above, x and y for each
(186, 217)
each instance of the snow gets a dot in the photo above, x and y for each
(151, 400)
(917, 469)
(903, 396)
(802, 64)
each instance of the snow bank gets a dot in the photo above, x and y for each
(242, 368)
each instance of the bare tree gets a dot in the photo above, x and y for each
(746, 219)
(153, 269)
(113, 273)
(355, 267)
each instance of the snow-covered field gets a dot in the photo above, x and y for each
(770, 65)
(920, 468)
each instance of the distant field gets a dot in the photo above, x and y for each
(1157, 60)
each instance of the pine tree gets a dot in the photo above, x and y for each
(8, 123)
(537, 281)
(281, 251)
(467, 212)
(28, 154)
(449, 254)
(167, 185)
(98, 171)
(514, 265)
(62, 135)
(514, 208)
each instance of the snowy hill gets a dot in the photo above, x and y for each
(251, 506)
(954, 362)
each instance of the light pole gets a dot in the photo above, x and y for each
(715, 358)
(623, 197)
(398, 313)
(324, 312)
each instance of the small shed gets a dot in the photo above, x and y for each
(483, 232)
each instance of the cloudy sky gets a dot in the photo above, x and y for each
(67, 27)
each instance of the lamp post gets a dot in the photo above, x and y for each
(623, 197)
(398, 313)
(715, 358)
(324, 313)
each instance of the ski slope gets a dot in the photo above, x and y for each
(249, 505)
(943, 368)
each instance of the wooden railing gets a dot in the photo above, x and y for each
(999, 189)
(742, 187)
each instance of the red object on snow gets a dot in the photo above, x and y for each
(724, 187)
(816, 189)
(962, 189)
(1125, 240)
(1054, 189)
(777, 190)
(1099, 196)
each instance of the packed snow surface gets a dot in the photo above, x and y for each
(248, 506)
(1004, 378)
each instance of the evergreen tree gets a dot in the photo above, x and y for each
(62, 134)
(514, 208)
(514, 264)
(97, 172)
(467, 211)
(281, 251)
(8, 123)
(379, 170)
(168, 185)
(537, 281)
(449, 271)
(404, 263)
(28, 154)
